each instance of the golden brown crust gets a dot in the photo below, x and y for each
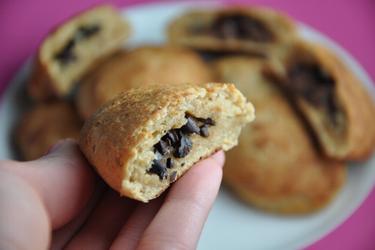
(48, 80)
(142, 66)
(357, 140)
(43, 126)
(275, 166)
(114, 136)
(280, 25)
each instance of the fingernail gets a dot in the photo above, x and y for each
(219, 157)
(58, 145)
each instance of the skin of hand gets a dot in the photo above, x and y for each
(59, 202)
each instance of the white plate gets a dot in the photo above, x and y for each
(232, 224)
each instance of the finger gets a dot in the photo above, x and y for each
(179, 222)
(104, 223)
(136, 224)
(63, 179)
(62, 236)
(24, 219)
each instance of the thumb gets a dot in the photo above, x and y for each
(63, 179)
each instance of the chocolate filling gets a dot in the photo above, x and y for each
(240, 27)
(315, 85)
(176, 143)
(65, 55)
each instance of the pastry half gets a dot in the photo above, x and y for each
(247, 29)
(146, 138)
(141, 66)
(69, 51)
(275, 166)
(330, 97)
(43, 126)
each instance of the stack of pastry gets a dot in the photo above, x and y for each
(312, 113)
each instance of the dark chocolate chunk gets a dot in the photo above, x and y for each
(191, 126)
(184, 147)
(158, 168)
(314, 84)
(177, 143)
(204, 131)
(241, 27)
(86, 31)
(171, 137)
(169, 163)
(207, 121)
(173, 176)
(162, 147)
(66, 55)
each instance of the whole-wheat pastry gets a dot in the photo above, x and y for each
(74, 47)
(330, 97)
(247, 29)
(143, 65)
(146, 138)
(43, 126)
(275, 166)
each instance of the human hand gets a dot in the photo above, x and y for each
(58, 202)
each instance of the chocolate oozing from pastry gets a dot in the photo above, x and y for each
(241, 27)
(315, 85)
(176, 143)
(66, 55)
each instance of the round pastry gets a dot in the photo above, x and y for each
(147, 137)
(331, 99)
(43, 126)
(247, 29)
(144, 65)
(75, 46)
(275, 166)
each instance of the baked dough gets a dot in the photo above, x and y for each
(247, 29)
(69, 51)
(331, 99)
(275, 166)
(43, 126)
(141, 66)
(148, 137)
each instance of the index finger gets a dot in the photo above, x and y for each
(179, 222)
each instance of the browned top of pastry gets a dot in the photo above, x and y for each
(142, 66)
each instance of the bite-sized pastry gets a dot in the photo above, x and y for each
(275, 166)
(147, 137)
(43, 126)
(246, 29)
(331, 99)
(143, 65)
(69, 51)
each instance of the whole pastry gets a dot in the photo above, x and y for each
(43, 126)
(141, 66)
(69, 51)
(275, 166)
(247, 29)
(330, 97)
(146, 138)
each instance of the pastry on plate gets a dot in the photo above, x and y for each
(74, 47)
(275, 166)
(147, 137)
(247, 29)
(329, 96)
(143, 65)
(43, 126)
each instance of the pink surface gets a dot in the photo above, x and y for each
(350, 23)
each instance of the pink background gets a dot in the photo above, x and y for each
(351, 23)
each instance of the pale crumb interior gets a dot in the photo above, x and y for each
(229, 116)
(110, 36)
